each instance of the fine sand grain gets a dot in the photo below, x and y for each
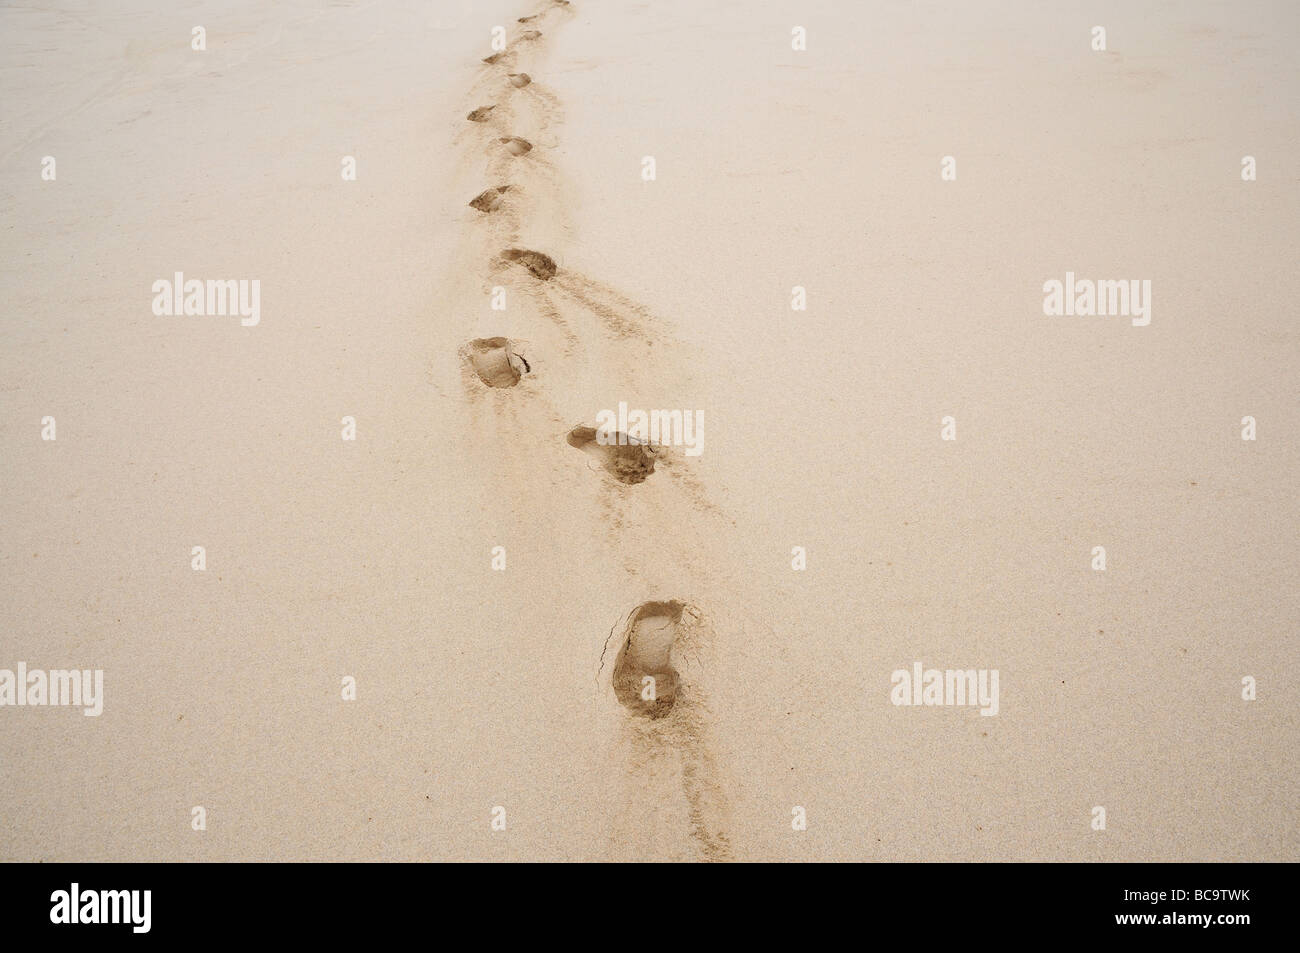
(639, 651)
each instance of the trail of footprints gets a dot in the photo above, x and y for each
(668, 712)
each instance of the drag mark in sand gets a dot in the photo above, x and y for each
(621, 316)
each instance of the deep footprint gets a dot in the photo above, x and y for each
(489, 200)
(645, 681)
(495, 362)
(516, 146)
(541, 266)
(518, 80)
(627, 459)
(481, 114)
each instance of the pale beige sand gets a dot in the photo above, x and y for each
(775, 168)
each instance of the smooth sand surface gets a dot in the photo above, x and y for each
(480, 688)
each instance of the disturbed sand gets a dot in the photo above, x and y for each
(498, 583)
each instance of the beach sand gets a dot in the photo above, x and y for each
(490, 698)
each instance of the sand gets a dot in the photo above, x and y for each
(490, 698)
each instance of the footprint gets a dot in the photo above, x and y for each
(516, 146)
(489, 200)
(670, 718)
(531, 35)
(645, 681)
(541, 266)
(499, 57)
(481, 114)
(495, 362)
(627, 459)
(528, 19)
(518, 80)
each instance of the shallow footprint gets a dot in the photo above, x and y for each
(495, 362)
(541, 266)
(627, 459)
(516, 146)
(531, 35)
(489, 200)
(645, 681)
(481, 114)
